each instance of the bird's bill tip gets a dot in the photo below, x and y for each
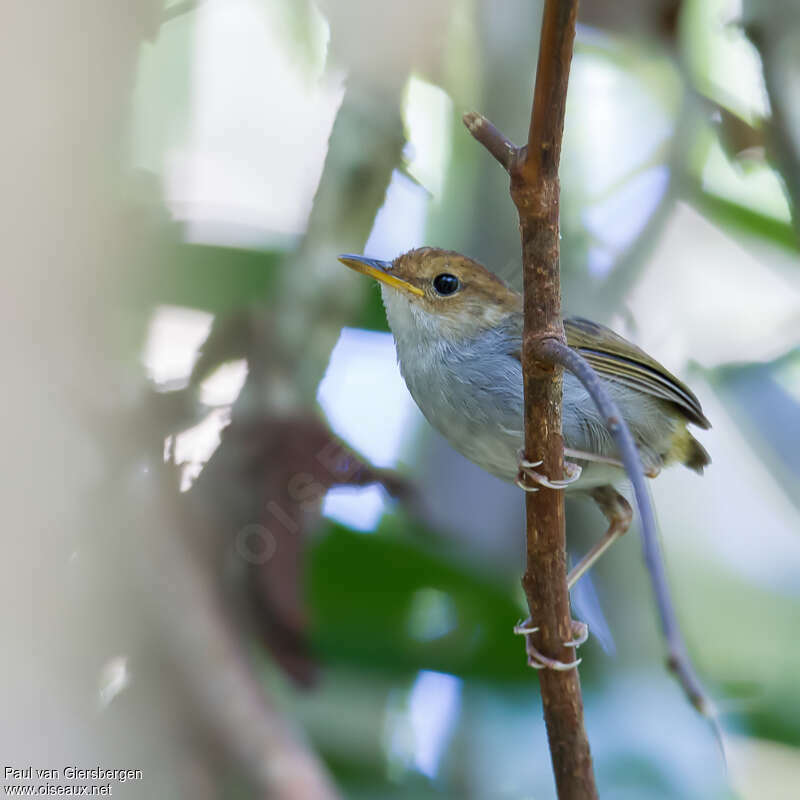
(379, 270)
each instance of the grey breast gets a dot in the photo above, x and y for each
(471, 392)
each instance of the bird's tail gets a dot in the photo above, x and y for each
(687, 450)
(697, 457)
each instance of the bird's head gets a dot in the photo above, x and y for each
(433, 292)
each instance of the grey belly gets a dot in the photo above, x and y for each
(481, 416)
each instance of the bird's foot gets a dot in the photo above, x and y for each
(527, 474)
(580, 633)
(537, 660)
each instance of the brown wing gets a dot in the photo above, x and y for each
(617, 359)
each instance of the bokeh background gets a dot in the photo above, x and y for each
(230, 537)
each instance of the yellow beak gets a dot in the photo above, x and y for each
(380, 271)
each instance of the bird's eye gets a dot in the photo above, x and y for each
(446, 283)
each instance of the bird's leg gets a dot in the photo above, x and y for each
(580, 631)
(537, 660)
(528, 474)
(585, 455)
(617, 511)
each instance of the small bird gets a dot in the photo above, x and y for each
(458, 332)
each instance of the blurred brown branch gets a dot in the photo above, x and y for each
(766, 30)
(264, 485)
(261, 494)
(226, 691)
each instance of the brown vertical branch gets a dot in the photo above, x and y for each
(540, 166)
(783, 149)
(535, 191)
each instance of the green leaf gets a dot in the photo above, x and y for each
(372, 316)
(372, 606)
(212, 278)
(746, 220)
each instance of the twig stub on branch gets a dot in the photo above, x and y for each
(503, 150)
